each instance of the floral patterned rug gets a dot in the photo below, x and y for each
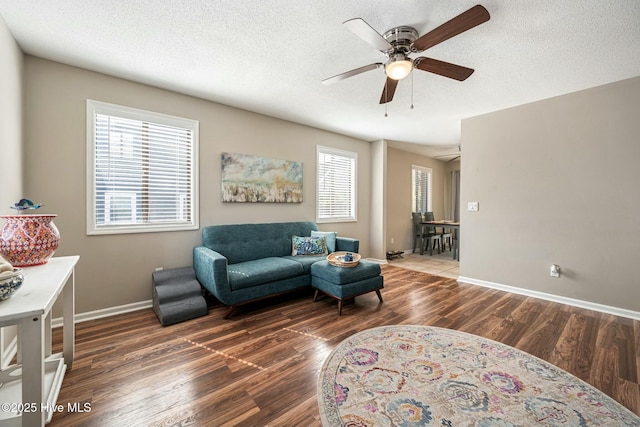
(411, 375)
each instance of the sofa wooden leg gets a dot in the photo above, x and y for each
(339, 307)
(227, 315)
(379, 294)
(315, 296)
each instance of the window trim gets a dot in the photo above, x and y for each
(94, 107)
(350, 154)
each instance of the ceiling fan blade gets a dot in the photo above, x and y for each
(351, 73)
(363, 30)
(442, 68)
(461, 23)
(388, 91)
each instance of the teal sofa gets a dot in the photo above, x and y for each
(240, 263)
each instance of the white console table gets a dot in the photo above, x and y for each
(34, 383)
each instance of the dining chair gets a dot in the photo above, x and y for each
(446, 235)
(426, 234)
(418, 232)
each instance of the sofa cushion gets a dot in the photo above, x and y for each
(308, 245)
(330, 237)
(306, 261)
(260, 271)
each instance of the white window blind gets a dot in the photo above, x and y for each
(144, 169)
(336, 199)
(420, 189)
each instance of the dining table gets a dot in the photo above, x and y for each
(447, 224)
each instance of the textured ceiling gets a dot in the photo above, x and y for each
(270, 56)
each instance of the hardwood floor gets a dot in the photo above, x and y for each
(260, 367)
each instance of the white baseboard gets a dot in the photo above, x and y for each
(106, 312)
(622, 312)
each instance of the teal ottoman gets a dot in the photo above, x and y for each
(346, 282)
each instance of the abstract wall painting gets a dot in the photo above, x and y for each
(255, 179)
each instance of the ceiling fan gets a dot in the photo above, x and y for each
(397, 43)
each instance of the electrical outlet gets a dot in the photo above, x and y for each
(554, 271)
(473, 206)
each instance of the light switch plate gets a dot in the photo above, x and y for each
(473, 206)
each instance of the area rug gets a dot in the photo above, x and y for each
(410, 375)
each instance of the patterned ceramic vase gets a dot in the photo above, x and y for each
(28, 240)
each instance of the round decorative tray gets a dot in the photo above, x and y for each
(338, 259)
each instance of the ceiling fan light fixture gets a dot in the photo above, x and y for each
(398, 68)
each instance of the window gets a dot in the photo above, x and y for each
(336, 200)
(119, 207)
(142, 173)
(420, 189)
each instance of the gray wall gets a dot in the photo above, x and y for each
(557, 181)
(115, 270)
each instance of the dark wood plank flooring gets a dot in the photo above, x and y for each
(260, 367)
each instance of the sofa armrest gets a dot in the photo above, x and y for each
(347, 244)
(211, 271)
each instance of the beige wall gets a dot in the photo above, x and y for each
(398, 224)
(378, 207)
(557, 181)
(11, 137)
(449, 167)
(115, 270)
(11, 90)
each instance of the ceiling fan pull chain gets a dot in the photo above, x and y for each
(412, 91)
(386, 87)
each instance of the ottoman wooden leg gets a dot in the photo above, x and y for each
(315, 296)
(340, 307)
